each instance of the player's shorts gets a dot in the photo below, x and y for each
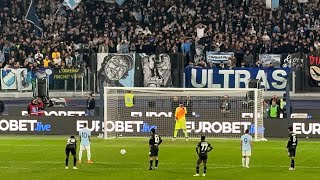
(203, 157)
(181, 124)
(246, 153)
(71, 150)
(292, 151)
(154, 151)
(83, 147)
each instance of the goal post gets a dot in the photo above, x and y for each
(213, 112)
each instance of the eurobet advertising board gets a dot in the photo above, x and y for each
(273, 79)
(138, 127)
(302, 127)
(52, 111)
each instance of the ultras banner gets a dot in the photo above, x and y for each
(273, 79)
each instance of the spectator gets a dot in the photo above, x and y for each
(56, 54)
(38, 55)
(91, 105)
(40, 104)
(225, 105)
(46, 62)
(33, 108)
(243, 65)
(104, 48)
(274, 111)
(275, 98)
(248, 59)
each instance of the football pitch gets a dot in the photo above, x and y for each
(42, 157)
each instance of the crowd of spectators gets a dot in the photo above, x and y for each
(245, 27)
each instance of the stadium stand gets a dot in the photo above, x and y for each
(245, 27)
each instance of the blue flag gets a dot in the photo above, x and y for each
(120, 2)
(71, 4)
(33, 18)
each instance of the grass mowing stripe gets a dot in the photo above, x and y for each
(180, 165)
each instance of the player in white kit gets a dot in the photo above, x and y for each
(85, 134)
(246, 147)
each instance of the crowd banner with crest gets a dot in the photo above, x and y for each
(17, 79)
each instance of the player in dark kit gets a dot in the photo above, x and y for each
(71, 147)
(202, 149)
(154, 142)
(292, 146)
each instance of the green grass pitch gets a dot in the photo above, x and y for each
(42, 157)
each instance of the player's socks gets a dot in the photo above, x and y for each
(80, 156)
(243, 162)
(185, 133)
(157, 161)
(197, 169)
(89, 155)
(204, 169)
(175, 133)
(151, 162)
(67, 160)
(247, 162)
(292, 163)
(74, 161)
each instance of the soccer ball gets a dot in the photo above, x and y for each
(122, 151)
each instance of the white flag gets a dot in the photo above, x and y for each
(71, 4)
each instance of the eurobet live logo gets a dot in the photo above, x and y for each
(147, 128)
(23, 126)
(259, 129)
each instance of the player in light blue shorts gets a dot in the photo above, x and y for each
(85, 134)
(246, 147)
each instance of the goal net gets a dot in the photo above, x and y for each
(215, 113)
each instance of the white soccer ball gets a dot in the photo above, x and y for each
(123, 151)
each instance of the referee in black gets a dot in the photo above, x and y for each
(71, 147)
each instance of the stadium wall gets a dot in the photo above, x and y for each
(168, 70)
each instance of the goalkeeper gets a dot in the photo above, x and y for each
(180, 116)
